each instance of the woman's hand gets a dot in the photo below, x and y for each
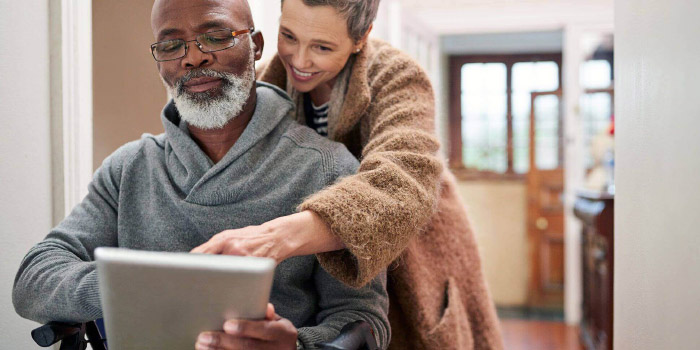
(298, 234)
(273, 333)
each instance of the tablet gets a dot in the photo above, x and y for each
(159, 300)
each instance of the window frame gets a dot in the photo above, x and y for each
(455, 159)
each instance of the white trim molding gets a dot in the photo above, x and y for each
(576, 36)
(76, 90)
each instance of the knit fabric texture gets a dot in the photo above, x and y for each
(162, 193)
(402, 206)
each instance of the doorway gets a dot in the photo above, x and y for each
(506, 135)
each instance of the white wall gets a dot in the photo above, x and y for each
(25, 150)
(503, 244)
(266, 15)
(404, 29)
(657, 245)
(503, 43)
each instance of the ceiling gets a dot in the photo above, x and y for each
(445, 17)
(456, 4)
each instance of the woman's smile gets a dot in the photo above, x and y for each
(302, 76)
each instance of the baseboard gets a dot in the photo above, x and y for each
(530, 313)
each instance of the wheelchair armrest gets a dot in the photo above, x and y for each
(356, 335)
(54, 332)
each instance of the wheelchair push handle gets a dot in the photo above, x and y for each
(357, 335)
(54, 332)
(71, 335)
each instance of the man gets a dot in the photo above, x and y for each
(231, 156)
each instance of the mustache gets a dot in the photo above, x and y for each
(199, 73)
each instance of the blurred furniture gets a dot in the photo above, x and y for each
(595, 210)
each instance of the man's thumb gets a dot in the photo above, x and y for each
(270, 314)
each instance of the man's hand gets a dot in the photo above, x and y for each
(298, 234)
(273, 333)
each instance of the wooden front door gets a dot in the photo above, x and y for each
(545, 187)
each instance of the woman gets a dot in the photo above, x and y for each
(401, 206)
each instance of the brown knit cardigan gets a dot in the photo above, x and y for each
(401, 206)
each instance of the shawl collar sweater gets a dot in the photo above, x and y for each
(163, 193)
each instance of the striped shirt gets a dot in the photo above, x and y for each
(316, 116)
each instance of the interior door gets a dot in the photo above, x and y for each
(545, 187)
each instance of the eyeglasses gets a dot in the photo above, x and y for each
(218, 40)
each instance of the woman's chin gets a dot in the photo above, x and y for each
(301, 86)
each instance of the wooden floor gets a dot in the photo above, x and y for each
(539, 335)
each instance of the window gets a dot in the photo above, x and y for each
(596, 102)
(484, 127)
(490, 124)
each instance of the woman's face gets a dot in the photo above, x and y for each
(314, 44)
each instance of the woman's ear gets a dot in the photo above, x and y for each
(258, 44)
(363, 41)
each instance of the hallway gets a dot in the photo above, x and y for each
(539, 335)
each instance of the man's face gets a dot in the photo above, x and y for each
(208, 88)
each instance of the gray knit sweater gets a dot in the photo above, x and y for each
(163, 193)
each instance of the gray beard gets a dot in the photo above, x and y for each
(213, 109)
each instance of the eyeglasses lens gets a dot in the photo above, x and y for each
(169, 50)
(215, 41)
(207, 42)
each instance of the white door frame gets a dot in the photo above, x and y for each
(71, 103)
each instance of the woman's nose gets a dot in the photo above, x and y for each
(301, 59)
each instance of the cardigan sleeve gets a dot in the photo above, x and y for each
(390, 200)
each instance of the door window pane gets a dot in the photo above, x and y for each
(484, 126)
(547, 132)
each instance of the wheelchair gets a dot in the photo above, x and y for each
(353, 336)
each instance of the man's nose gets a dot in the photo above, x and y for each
(195, 58)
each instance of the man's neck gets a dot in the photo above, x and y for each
(216, 142)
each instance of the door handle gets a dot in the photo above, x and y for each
(541, 223)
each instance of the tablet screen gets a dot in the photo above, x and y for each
(161, 300)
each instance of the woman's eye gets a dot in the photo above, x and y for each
(288, 37)
(324, 48)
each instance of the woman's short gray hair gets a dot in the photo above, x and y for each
(360, 14)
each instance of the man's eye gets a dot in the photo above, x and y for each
(170, 47)
(216, 39)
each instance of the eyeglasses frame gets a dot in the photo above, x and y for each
(234, 34)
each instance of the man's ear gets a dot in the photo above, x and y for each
(259, 43)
